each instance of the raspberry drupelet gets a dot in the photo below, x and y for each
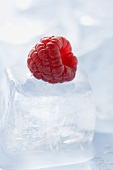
(52, 60)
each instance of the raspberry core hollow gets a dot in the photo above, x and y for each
(52, 60)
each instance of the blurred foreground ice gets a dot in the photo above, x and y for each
(99, 67)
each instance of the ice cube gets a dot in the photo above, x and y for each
(50, 121)
(99, 67)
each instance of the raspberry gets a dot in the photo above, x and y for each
(52, 60)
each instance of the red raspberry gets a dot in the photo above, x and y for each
(52, 60)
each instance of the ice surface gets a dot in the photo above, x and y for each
(99, 67)
(39, 116)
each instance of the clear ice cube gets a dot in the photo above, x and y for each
(50, 121)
